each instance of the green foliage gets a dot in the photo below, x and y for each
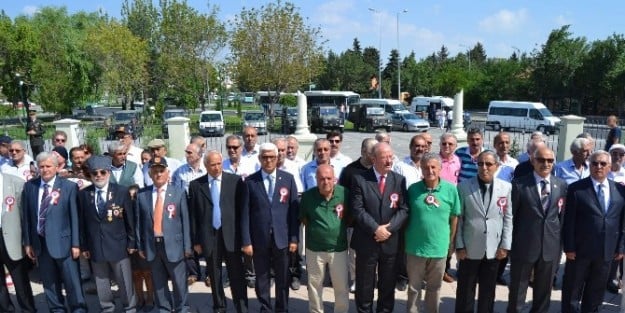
(288, 100)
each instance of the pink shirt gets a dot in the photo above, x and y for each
(450, 169)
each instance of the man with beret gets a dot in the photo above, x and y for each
(35, 130)
(5, 144)
(159, 149)
(109, 234)
(165, 236)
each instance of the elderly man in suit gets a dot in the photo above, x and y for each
(11, 251)
(108, 238)
(51, 234)
(378, 202)
(484, 234)
(215, 206)
(592, 235)
(537, 207)
(270, 226)
(165, 236)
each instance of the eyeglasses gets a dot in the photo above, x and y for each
(488, 164)
(16, 150)
(233, 147)
(447, 143)
(617, 154)
(59, 139)
(322, 149)
(596, 163)
(96, 172)
(268, 157)
(334, 140)
(544, 160)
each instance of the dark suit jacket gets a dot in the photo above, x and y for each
(589, 231)
(62, 221)
(536, 233)
(176, 227)
(107, 240)
(258, 215)
(201, 208)
(523, 169)
(371, 209)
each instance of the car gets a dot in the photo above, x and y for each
(409, 122)
(372, 118)
(256, 119)
(211, 123)
(326, 118)
(289, 119)
(129, 119)
(169, 114)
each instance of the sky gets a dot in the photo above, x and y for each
(502, 26)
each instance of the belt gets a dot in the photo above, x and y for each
(158, 239)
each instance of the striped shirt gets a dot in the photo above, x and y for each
(468, 165)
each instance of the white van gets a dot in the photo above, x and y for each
(212, 124)
(426, 107)
(521, 115)
(391, 106)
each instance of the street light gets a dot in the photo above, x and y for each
(377, 12)
(398, 58)
(468, 55)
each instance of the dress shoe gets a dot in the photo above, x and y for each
(352, 288)
(401, 285)
(251, 283)
(191, 280)
(149, 307)
(612, 288)
(502, 281)
(295, 284)
(448, 278)
(207, 282)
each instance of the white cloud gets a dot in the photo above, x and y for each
(504, 21)
(30, 10)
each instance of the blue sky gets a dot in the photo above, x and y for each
(502, 26)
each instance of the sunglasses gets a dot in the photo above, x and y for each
(96, 172)
(447, 143)
(488, 164)
(16, 150)
(334, 141)
(59, 139)
(544, 160)
(233, 147)
(268, 157)
(596, 164)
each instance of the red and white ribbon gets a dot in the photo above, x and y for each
(54, 197)
(283, 194)
(560, 204)
(9, 201)
(339, 211)
(171, 208)
(502, 203)
(431, 200)
(394, 198)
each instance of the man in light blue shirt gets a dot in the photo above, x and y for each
(576, 167)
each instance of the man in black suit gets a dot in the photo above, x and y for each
(537, 206)
(378, 201)
(215, 208)
(592, 235)
(51, 234)
(270, 226)
(108, 236)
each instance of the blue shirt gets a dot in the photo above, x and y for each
(468, 165)
(309, 174)
(185, 174)
(566, 170)
(505, 172)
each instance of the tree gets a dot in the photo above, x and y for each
(390, 74)
(273, 49)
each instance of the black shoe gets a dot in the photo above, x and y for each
(401, 285)
(226, 283)
(148, 307)
(352, 288)
(612, 288)
(502, 281)
(251, 283)
(295, 284)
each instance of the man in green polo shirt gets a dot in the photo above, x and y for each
(433, 212)
(324, 210)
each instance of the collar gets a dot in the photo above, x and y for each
(265, 174)
(104, 190)
(50, 183)
(155, 190)
(538, 178)
(377, 175)
(211, 178)
(596, 182)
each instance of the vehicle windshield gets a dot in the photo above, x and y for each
(214, 117)
(411, 116)
(328, 111)
(254, 116)
(170, 114)
(124, 116)
(291, 112)
(375, 111)
(545, 112)
(397, 107)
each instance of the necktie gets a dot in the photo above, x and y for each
(486, 195)
(100, 201)
(216, 208)
(270, 188)
(382, 184)
(544, 194)
(158, 213)
(601, 196)
(43, 209)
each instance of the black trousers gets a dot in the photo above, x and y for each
(265, 260)
(234, 264)
(471, 273)
(584, 279)
(366, 265)
(19, 275)
(520, 273)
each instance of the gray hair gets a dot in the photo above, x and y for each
(320, 141)
(19, 143)
(596, 154)
(382, 136)
(196, 147)
(448, 135)
(116, 146)
(578, 144)
(489, 152)
(212, 152)
(268, 146)
(45, 156)
(277, 140)
(431, 156)
(538, 135)
(234, 137)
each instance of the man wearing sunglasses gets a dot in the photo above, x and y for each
(59, 139)
(109, 234)
(20, 161)
(592, 235)
(537, 206)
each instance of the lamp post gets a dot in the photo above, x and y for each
(398, 58)
(379, 52)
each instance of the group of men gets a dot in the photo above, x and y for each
(136, 216)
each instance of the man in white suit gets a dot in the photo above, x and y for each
(484, 234)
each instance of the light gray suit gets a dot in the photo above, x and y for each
(13, 254)
(483, 228)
